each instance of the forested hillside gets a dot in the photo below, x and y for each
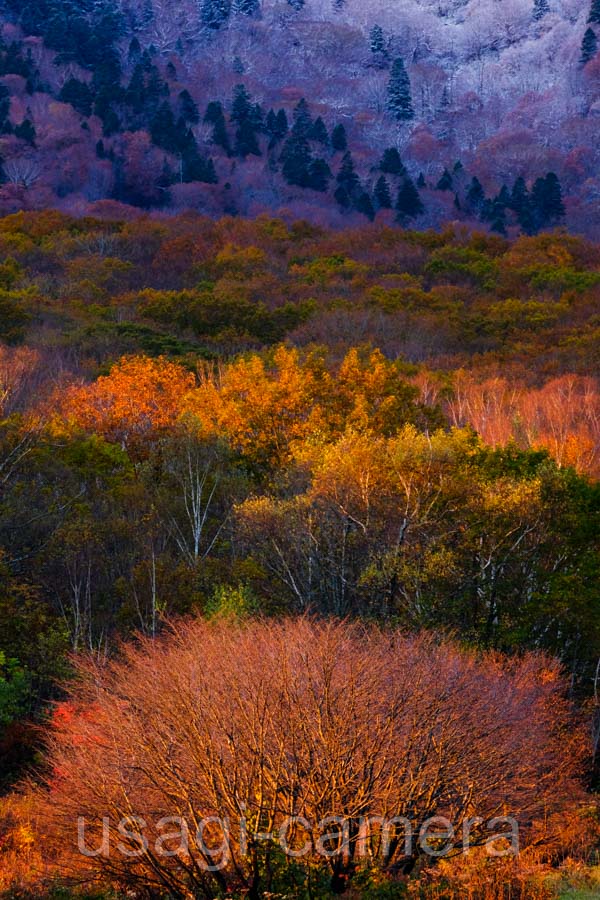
(242, 419)
(335, 110)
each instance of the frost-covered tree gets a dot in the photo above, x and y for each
(377, 40)
(540, 8)
(378, 47)
(246, 7)
(399, 93)
(214, 13)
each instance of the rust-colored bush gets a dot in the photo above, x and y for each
(253, 723)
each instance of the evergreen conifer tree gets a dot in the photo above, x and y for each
(383, 198)
(519, 196)
(364, 205)
(246, 143)
(296, 160)
(189, 110)
(347, 177)
(276, 127)
(409, 204)
(546, 201)
(445, 183)
(475, 195)
(391, 162)
(339, 141)
(318, 132)
(241, 107)
(78, 94)
(215, 116)
(164, 131)
(594, 16)
(399, 93)
(303, 122)
(319, 175)
(589, 46)
(377, 41)
(282, 123)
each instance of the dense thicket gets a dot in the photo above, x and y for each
(260, 723)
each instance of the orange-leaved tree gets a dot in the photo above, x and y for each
(139, 398)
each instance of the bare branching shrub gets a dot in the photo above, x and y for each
(253, 723)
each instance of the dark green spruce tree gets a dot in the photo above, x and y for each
(391, 162)
(78, 94)
(520, 203)
(594, 16)
(547, 206)
(215, 116)
(348, 182)
(339, 141)
(276, 127)
(296, 160)
(475, 196)
(364, 205)
(188, 109)
(319, 175)
(399, 93)
(382, 195)
(589, 46)
(445, 183)
(409, 204)
(318, 132)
